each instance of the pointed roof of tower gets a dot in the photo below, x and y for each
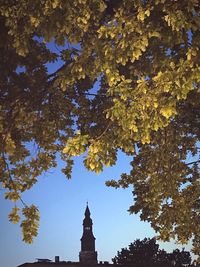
(87, 211)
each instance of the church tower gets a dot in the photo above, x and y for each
(88, 254)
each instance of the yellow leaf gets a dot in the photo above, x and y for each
(112, 35)
(92, 166)
(145, 139)
(80, 69)
(155, 104)
(14, 216)
(154, 34)
(10, 145)
(134, 128)
(107, 164)
(102, 6)
(66, 150)
(141, 16)
(147, 12)
(168, 111)
(84, 20)
(177, 82)
(55, 3)
(189, 56)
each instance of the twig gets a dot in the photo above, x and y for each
(11, 180)
(105, 130)
(190, 163)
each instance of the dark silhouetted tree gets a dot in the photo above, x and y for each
(140, 252)
(147, 253)
(180, 258)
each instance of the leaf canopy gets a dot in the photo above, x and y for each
(128, 80)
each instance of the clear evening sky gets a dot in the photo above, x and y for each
(62, 205)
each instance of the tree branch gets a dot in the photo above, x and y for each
(11, 179)
(190, 163)
(105, 130)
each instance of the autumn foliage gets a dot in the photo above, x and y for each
(128, 79)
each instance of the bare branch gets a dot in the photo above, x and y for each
(11, 179)
(190, 163)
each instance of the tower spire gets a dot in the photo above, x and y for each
(88, 253)
(87, 211)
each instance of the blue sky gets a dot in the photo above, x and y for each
(62, 205)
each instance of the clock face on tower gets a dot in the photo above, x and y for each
(87, 228)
